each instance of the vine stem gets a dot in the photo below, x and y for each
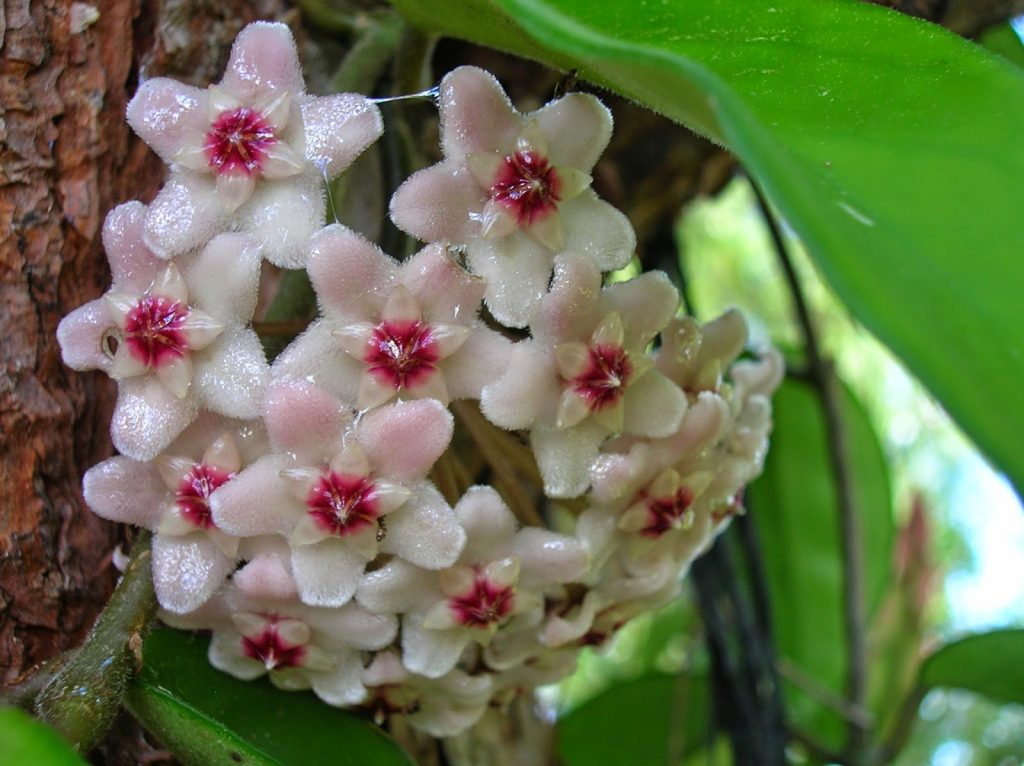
(823, 378)
(83, 698)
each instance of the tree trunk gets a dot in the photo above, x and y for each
(67, 157)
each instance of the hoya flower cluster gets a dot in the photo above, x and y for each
(326, 517)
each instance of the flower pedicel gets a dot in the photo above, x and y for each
(327, 517)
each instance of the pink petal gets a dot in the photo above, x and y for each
(247, 436)
(185, 215)
(214, 614)
(654, 406)
(232, 373)
(132, 264)
(81, 335)
(266, 578)
(121, 489)
(704, 423)
(526, 391)
(476, 115)
(561, 629)
(646, 304)
(263, 58)
(338, 129)
(481, 360)
(226, 654)
(148, 417)
(488, 523)
(327, 573)
(256, 501)
(759, 377)
(305, 420)
(548, 558)
(723, 337)
(354, 626)
(316, 356)
(511, 649)
(223, 279)
(446, 292)
(430, 653)
(444, 720)
(187, 570)
(565, 457)
(435, 204)
(342, 685)
(404, 440)
(597, 231)
(352, 277)
(616, 476)
(283, 215)
(569, 308)
(424, 531)
(517, 270)
(577, 127)
(396, 587)
(168, 115)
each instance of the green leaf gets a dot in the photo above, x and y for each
(794, 507)
(986, 663)
(24, 741)
(888, 144)
(658, 719)
(1004, 40)
(209, 718)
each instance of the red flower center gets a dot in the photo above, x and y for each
(193, 494)
(665, 513)
(154, 330)
(484, 604)
(272, 650)
(238, 140)
(604, 380)
(528, 186)
(342, 504)
(402, 353)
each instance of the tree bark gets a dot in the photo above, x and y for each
(66, 158)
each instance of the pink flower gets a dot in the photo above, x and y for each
(174, 336)
(259, 628)
(440, 707)
(496, 585)
(251, 153)
(170, 495)
(342, 491)
(390, 330)
(514, 190)
(585, 374)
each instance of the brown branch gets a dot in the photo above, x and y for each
(506, 480)
(824, 379)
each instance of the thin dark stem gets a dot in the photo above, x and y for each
(751, 545)
(746, 695)
(825, 382)
(904, 725)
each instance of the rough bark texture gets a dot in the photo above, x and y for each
(66, 158)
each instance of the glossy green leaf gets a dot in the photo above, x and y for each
(795, 509)
(24, 741)
(1004, 40)
(986, 663)
(208, 718)
(890, 145)
(654, 720)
